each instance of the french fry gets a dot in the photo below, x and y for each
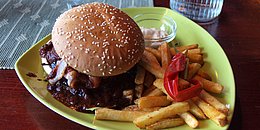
(212, 113)
(148, 90)
(196, 51)
(183, 84)
(174, 116)
(209, 85)
(136, 108)
(155, 92)
(139, 90)
(159, 84)
(140, 74)
(150, 57)
(173, 51)
(117, 115)
(165, 55)
(150, 109)
(159, 48)
(195, 110)
(189, 119)
(150, 63)
(162, 113)
(182, 48)
(170, 98)
(193, 69)
(213, 101)
(156, 52)
(195, 58)
(166, 123)
(187, 47)
(204, 75)
(154, 108)
(148, 79)
(153, 101)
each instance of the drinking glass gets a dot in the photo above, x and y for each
(198, 10)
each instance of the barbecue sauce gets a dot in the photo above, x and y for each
(108, 94)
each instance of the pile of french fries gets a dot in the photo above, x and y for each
(154, 109)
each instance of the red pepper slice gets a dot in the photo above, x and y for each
(171, 78)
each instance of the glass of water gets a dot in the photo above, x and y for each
(201, 11)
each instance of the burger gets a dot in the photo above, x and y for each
(92, 55)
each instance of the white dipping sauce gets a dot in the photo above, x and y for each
(153, 37)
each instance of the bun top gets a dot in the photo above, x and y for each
(98, 39)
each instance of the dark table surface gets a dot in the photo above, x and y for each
(238, 32)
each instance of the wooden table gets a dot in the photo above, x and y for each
(238, 32)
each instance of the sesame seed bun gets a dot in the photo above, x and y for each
(98, 39)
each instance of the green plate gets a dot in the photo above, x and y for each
(187, 33)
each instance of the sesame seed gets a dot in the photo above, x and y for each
(106, 50)
(113, 17)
